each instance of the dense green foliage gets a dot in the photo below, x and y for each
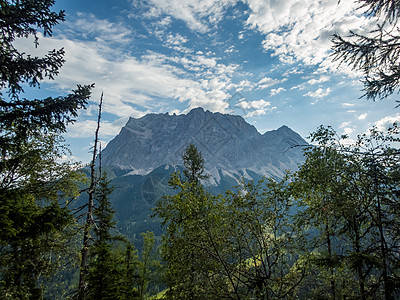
(105, 273)
(235, 246)
(33, 181)
(349, 195)
(328, 231)
(116, 270)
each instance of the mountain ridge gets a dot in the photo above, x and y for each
(227, 142)
(140, 159)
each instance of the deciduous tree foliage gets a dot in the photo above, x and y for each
(349, 215)
(189, 271)
(267, 254)
(236, 246)
(328, 231)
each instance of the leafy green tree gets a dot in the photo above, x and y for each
(380, 170)
(148, 265)
(236, 246)
(376, 54)
(188, 270)
(33, 181)
(346, 195)
(322, 192)
(266, 251)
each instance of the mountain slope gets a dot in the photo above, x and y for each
(140, 159)
(227, 143)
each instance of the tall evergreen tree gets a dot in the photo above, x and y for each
(105, 267)
(33, 181)
(194, 165)
(115, 271)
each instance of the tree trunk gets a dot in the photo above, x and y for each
(89, 216)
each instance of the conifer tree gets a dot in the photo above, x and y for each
(115, 271)
(105, 267)
(194, 165)
(376, 54)
(33, 181)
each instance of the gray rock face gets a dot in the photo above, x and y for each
(227, 142)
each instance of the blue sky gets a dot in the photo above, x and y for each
(266, 60)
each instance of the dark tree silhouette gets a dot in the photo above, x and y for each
(377, 54)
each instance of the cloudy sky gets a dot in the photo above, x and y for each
(266, 60)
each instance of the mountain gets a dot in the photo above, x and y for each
(147, 150)
(228, 144)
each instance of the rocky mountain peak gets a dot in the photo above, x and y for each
(227, 142)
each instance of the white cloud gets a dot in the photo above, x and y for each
(348, 130)
(319, 93)
(198, 15)
(267, 82)
(244, 84)
(253, 104)
(344, 124)
(321, 79)
(86, 128)
(345, 104)
(362, 116)
(293, 71)
(386, 122)
(294, 30)
(213, 100)
(129, 82)
(176, 39)
(300, 30)
(206, 61)
(255, 108)
(231, 49)
(299, 87)
(277, 91)
(86, 26)
(165, 22)
(257, 113)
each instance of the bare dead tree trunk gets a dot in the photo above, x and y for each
(89, 216)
